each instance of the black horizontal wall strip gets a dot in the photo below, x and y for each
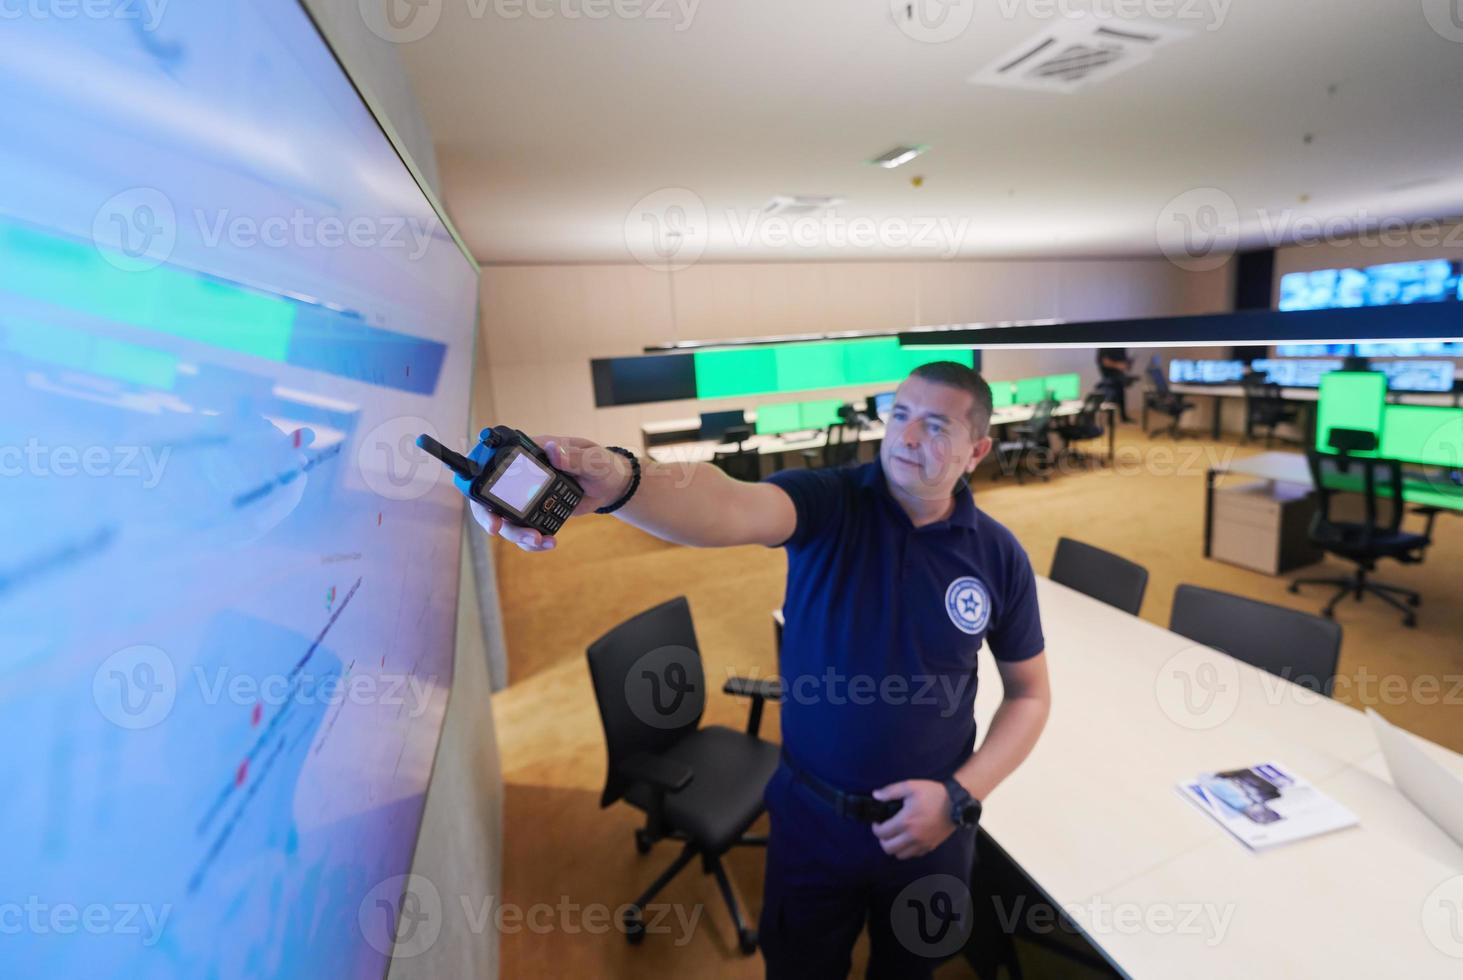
(1420, 321)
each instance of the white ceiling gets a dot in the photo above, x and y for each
(551, 131)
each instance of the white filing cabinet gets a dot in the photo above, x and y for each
(1263, 526)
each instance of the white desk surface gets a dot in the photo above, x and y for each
(767, 445)
(1282, 467)
(1093, 816)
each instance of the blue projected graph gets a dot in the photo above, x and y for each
(227, 577)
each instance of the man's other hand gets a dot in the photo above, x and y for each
(922, 823)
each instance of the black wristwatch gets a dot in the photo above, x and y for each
(964, 808)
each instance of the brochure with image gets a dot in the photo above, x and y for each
(1266, 805)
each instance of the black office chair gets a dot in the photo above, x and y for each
(1101, 574)
(1028, 440)
(1159, 399)
(702, 786)
(1082, 427)
(840, 447)
(1294, 645)
(1379, 535)
(1265, 408)
(739, 463)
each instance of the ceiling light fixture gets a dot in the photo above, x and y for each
(897, 156)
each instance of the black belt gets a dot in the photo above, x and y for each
(855, 806)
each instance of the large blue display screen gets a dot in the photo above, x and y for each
(227, 578)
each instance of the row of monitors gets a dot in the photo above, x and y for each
(1425, 435)
(1425, 348)
(821, 413)
(1389, 284)
(763, 369)
(1434, 376)
(775, 419)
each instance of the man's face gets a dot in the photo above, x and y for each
(928, 445)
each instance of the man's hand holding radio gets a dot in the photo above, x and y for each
(603, 475)
(685, 503)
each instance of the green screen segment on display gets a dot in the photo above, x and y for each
(1423, 434)
(1350, 400)
(804, 367)
(1064, 387)
(1003, 394)
(1029, 391)
(819, 414)
(772, 419)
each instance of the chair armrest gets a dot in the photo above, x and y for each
(660, 773)
(746, 687)
(760, 691)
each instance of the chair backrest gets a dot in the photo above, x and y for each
(1378, 482)
(1156, 377)
(1294, 645)
(741, 464)
(840, 445)
(1263, 400)
(649, 684)
(1041, 414)
(1091, 405)
(1101, 574)
(737, 434)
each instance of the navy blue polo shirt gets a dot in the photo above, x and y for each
(883, 622)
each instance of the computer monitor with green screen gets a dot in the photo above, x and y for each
(1064, 387)
(819, 414)
(1423, 434)
(1003, 393)
(772, 419)
(1350, 400)
(1029, 391)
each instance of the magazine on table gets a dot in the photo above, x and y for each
(1266, 805)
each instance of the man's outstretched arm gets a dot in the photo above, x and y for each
(685, 503)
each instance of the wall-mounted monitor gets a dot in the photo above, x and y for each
(1029, 391)
(1430, 348)
(1418, 375)
(228, 624)
(1064, 387)
(1205, 372)
(1299, 373)
(1423, 434)
(819, 414)
(715, 424)
(774, 419)
(1316, 350)
(1390, 284)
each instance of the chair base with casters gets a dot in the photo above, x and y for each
(1358, 585)
(1378, 483)
(700, 785)
(1175, 412)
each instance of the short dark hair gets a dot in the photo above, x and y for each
(961, 376)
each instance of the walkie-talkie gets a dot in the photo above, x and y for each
(510, 475)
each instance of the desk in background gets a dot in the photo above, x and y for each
(1305, 396)
(674, 441)
(1289, 468)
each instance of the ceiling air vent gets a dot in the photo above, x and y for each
(1075, 54)
(798, 205)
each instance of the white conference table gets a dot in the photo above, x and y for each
(701, 451)
(1094, 819)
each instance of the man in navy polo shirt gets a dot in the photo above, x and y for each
(895, 579)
